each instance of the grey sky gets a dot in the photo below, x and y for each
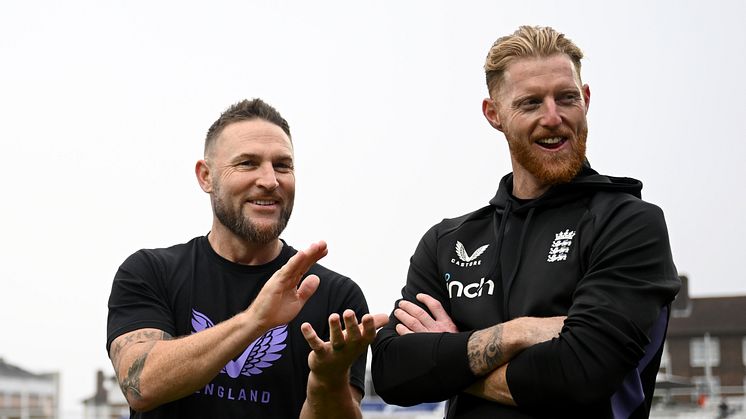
(104, 105)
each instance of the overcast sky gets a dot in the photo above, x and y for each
(104, 106)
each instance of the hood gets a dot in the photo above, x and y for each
(586, 182)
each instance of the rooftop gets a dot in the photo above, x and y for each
(8, 370)
(714, 315)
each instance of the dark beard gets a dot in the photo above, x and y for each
(243, 226)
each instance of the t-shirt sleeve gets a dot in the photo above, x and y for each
(137, 298)
(420, 367)
(629, 279)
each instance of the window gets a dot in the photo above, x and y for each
(704, 351)
(743, 354)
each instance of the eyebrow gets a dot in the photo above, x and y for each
(559, 90)
(250, 156)
(520, 99)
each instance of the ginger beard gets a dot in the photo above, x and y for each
(242, 226)
(550, 168)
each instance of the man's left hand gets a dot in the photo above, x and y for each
(332, 359)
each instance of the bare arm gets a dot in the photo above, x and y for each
(493, 387)
(494, 346)
(329, 393)
(153, 369)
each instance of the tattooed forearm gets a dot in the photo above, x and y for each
(130, 383)
(138, 336)
(485, 350)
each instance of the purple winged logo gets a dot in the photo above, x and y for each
(259, 355)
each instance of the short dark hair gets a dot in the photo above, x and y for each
(245, 110)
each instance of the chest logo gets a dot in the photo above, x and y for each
(457, 289)
(560, 246)
(464, 259)
(260, 354)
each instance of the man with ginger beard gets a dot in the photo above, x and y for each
(552, 301)
(225, 326)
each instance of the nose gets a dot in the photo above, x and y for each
(267, 177)
(550, 117)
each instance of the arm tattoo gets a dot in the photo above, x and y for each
(135, 337)
(485, 350)
(130, 384)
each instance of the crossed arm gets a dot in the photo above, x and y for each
(153, 368)
(489, 350)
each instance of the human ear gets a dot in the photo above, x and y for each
(204, 176)
(587, 96)
(489, 110)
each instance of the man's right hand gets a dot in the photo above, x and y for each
(415, 319)
(282, 298)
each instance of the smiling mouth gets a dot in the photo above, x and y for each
(263, 203)
(552, 142)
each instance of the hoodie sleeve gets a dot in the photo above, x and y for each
(420, 367)
(630, 276)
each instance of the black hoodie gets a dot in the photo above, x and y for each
(590, 249)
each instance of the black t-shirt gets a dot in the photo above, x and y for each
(188, 287)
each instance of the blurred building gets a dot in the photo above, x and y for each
(25, 395)
(108, 402)
(705, 353)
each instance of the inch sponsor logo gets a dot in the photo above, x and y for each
(464, 259)
(457, 289)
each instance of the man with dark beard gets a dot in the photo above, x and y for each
(224, 326)
(551, 302)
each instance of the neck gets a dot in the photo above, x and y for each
(239, 250)
(526, 186)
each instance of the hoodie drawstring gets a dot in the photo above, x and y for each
(508, 282)
(498, 230)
